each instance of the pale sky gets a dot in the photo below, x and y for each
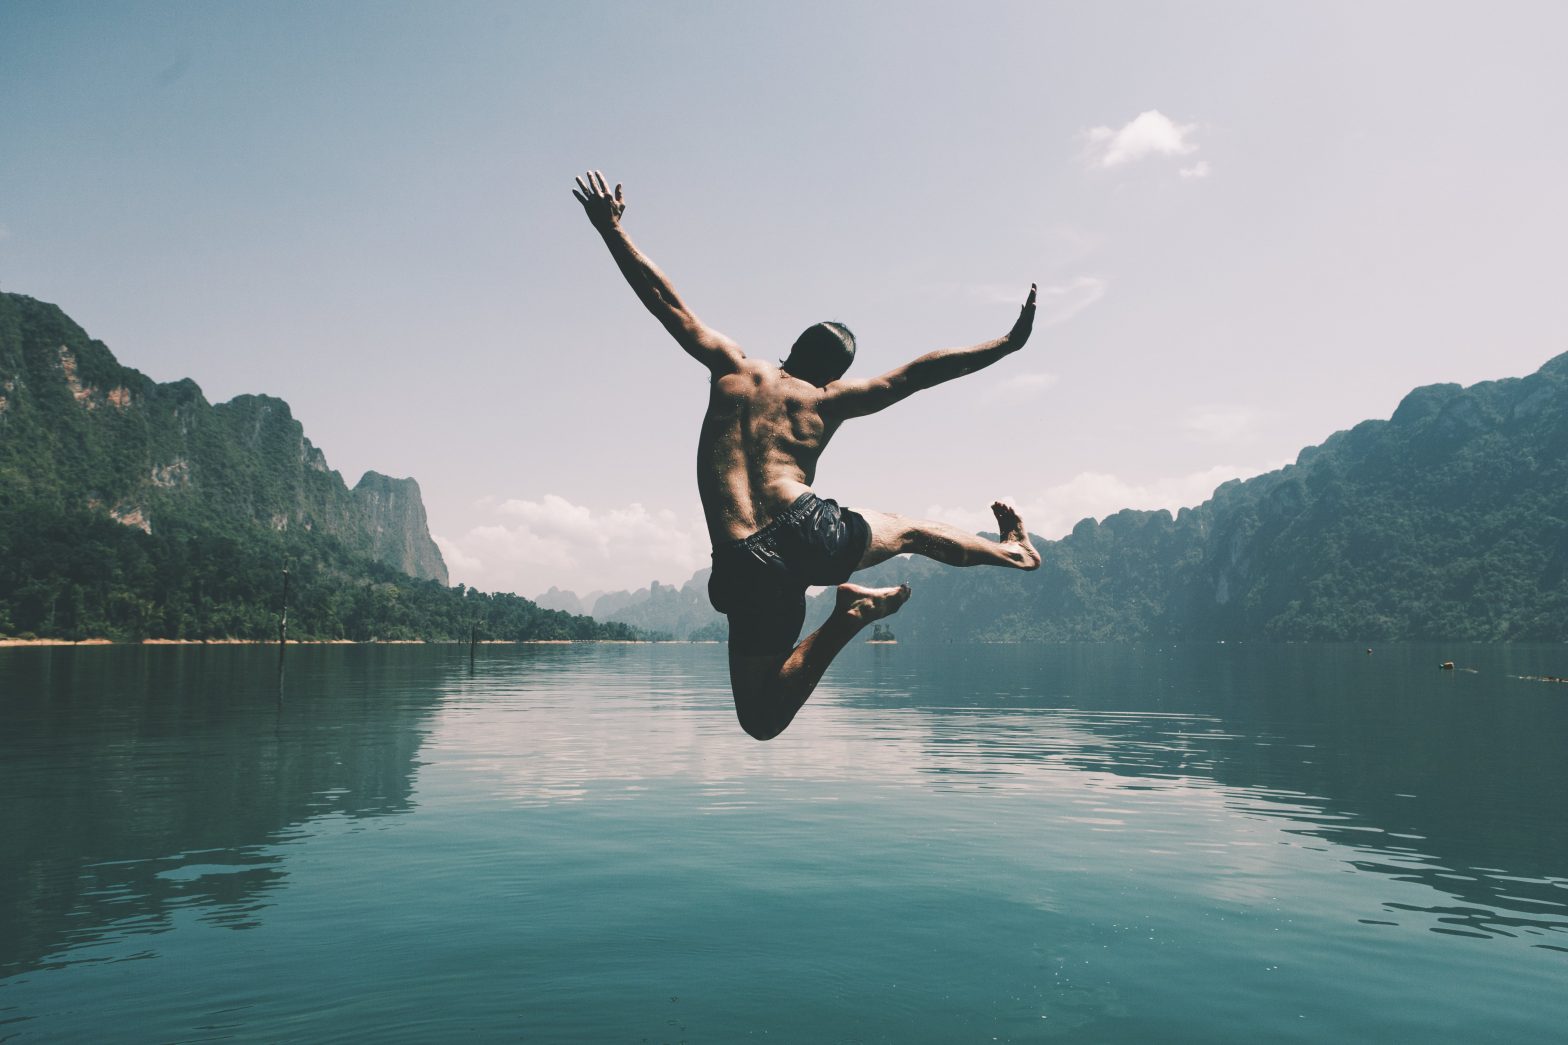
(1252, 224)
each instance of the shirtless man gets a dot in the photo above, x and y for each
(765, 427)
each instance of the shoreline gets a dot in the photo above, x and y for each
(20, 643)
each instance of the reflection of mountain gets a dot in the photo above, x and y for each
(1437, 778)
(116, 824)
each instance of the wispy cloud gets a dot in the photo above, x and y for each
(1150, 133)
(1021, 387)
(1053, 304)
(530, 545)
(1220, 423)
(1060, 303)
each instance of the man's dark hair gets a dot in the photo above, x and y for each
(821, 354)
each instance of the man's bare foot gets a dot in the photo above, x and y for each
(868, 604)
(1014, 536)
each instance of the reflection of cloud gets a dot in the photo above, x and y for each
(531, 545)
(559, 736)
(1150, 133)
(1053, 304)
(1220, 423)
(1054, 511)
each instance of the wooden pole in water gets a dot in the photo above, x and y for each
(283, 634)
(473, 641)
(283, 620)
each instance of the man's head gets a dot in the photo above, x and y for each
(821, 354)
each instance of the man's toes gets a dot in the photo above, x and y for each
(1008, 524)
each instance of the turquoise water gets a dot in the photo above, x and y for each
(952, 844)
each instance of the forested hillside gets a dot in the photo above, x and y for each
(132, 509)
(1447, 521)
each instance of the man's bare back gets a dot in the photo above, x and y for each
(762, 435)
(758, 449)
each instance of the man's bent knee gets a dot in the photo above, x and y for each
(753, 708)
(758, 724)
(760, 732)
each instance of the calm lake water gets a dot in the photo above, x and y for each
(952, 844)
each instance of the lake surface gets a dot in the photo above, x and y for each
(951, 844)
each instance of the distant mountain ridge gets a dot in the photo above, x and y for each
(1447, 521)
(660, 610)
(78, 428)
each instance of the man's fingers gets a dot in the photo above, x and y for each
(618, 192)
(598, 180)
(580, 197)
(1029, 302)
(586, 190)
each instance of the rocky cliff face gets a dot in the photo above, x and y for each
(393, 514)
(77, 429)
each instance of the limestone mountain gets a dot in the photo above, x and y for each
(131, 509)
(77, 429)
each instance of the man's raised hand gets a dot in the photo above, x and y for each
(1025, 325)
(604, 208)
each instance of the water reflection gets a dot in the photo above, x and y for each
(1428, 779)
(141, 781)
(1439, 780)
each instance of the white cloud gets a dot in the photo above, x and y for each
(1053, 304)
(1220, 423)
(532, 545)
(1150, 133)
(1197, 170)
(1051, 513)
(457, 561)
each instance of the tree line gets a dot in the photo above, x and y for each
(75, 574)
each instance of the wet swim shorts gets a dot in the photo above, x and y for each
(760, 581)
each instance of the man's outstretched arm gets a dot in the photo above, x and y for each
(868, 395)
(604, 208)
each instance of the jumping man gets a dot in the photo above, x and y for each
(772, 536)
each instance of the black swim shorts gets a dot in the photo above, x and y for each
(760, 581)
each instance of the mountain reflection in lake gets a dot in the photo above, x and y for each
(952, 843)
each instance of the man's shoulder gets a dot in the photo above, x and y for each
(751, 372)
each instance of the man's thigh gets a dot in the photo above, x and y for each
(769, 627)
(889, 535)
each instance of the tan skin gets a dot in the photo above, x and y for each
(761, 437)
